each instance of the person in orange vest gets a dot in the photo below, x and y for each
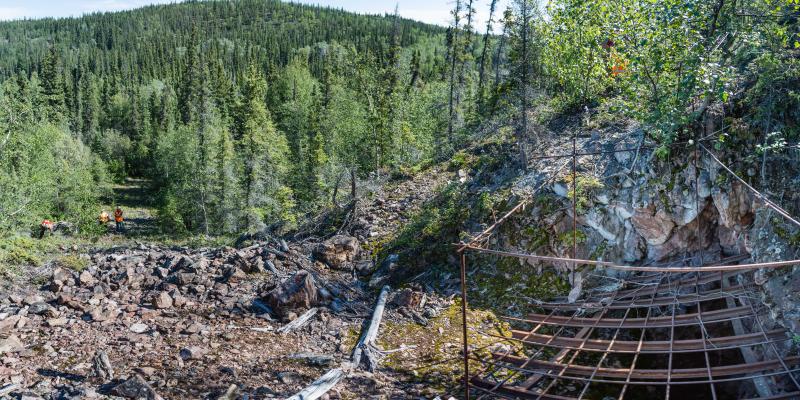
(44, 227)
(119, 220)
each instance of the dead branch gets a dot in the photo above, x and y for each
(320, 386)
(300, 322)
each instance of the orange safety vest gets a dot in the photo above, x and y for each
(118, 216)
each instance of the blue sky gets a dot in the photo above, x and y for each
(432, 11)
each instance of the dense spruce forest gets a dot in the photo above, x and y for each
(246, 114)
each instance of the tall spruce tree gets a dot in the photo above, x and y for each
(53, 86)
(263, 151)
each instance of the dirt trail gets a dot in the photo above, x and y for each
(136, 199)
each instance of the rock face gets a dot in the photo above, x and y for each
(298, 291)
(338, 251)
(654, 225)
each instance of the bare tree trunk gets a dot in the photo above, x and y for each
(486, 37)
(453, 59)
(524, 83)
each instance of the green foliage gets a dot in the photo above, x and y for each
(73, 262)
(187, 105)
(586, 185)
(18, 251)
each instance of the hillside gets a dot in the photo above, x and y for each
(595, 201)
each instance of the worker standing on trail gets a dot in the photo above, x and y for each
(119, 220)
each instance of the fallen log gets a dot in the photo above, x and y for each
(368, 339)
(320, 386)
(300, 322)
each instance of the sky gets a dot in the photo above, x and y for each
(431, 11)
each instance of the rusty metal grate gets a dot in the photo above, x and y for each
(649, 333)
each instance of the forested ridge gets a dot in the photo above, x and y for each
(246, 114)
(222, 104)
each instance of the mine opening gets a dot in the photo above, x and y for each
(688, 329)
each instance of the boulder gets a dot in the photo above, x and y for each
(338, 251)
(11, 344)
(409, 298)
(86, 278)
(654, 225)
(162, 300)
(192, 353)
(135, 388)
(298, 291)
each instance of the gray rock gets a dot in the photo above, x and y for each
(139, 328)
(192, 353)
(298, 291)
(86, 278)
(11, 344)
(42, 308)
(162, 300)
(101, 366)
(135, 388)
(338, 251)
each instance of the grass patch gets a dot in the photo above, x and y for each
(73, 262)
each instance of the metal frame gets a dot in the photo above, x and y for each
(659, 292)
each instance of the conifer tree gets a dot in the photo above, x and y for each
(53, 86)
(191, 84)
(263, 151)
(89, 108)
(315, 157)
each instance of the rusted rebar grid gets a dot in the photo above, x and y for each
(569, 370)
(634, 268)
(658, 292)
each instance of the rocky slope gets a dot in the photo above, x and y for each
(148, 321)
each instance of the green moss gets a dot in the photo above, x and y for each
(461, 160)
(599, 251)
(586, 186)
(73, 262)
(500, 282)
(426, 241)
(793, 239)
(539, 237)
(662, 195)
(436, 358)
(567, 237)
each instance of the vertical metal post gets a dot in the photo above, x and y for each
(464, 322)
(697, 196)
(575, 201)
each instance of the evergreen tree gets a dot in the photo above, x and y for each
(263, 151)
(191, 84)
(53, 86)
(89, 108)
(315, 157)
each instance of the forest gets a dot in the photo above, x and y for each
(255, 114)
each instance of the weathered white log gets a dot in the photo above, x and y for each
(331, 378)
(300, 322)
(368, 338)
(320, 386)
